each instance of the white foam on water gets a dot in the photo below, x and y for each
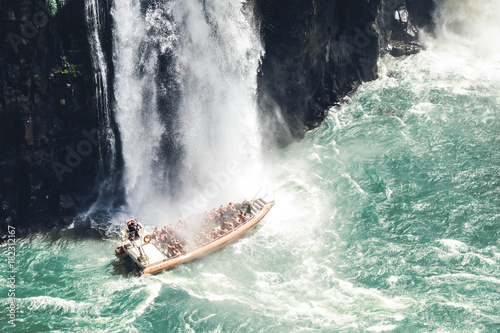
(459, 305)
(381, 328)
(360, 190)
(393, 279)
(446, 278)
(54, 304)
(465, 22)
(153, 290)
(456, 247)
(453, 246)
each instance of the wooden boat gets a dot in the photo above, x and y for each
(152, 260)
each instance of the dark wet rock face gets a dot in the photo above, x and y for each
(421, 13)
(400, 22)
(46, 104)
(319, 51)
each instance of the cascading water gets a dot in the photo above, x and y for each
(107, 180)
(218, 58)
(136, 108)
(185, 129)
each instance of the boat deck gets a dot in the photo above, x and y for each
(151, 255)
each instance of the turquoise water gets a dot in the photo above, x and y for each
(387, 219)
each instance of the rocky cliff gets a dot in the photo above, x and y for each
(319, 51)
(47, 111)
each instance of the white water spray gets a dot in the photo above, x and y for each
(467, 40)
(218, 57)
(107, 150)
(214, 51)
(135, 92)
(470, 24)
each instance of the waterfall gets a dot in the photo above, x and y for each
(107, 180)
(135, 93)
(218, 57)
(185, 88)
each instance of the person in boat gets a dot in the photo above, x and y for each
(236, 221)
(206, 220)
(215, 234)
(164, 232)
(222, 232)
(163, 243)
(133, 228)
(241, 216)
(198, 239)
(156, 234)
(221, 219)
(172, 250)
(229, 226)
(231, 209)
(180, 247)
(207, 236)
(185, 245)
(246, 207)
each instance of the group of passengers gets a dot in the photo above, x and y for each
(169, 241)
(215, 224)
(221, 221)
